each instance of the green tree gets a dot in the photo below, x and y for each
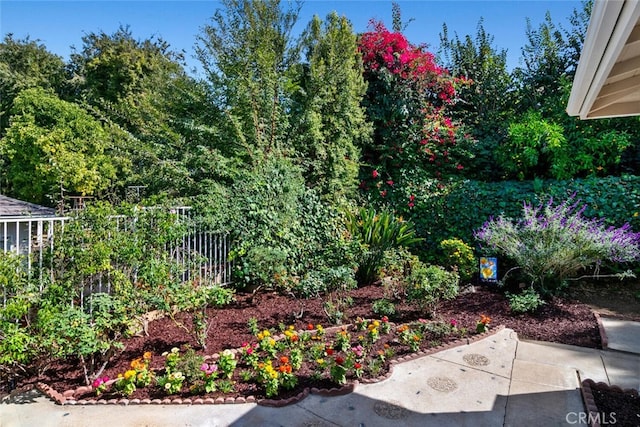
(328, 121)
(168, 120)
(54, 146)
(247, 53)
(487, 103)
(25, 64)
(550, 57)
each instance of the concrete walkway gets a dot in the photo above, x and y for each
(498, 381)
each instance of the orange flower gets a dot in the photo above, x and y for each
(485, 319)
(146, 355)
(285, 369)
(284, 360)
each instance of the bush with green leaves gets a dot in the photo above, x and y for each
(428, 285)
(282, 229)
(383, 307)
(377, 232)
(526, 301)
(459, 256)
(551, 243)
(326, 280)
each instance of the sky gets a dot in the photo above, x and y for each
(59, 25)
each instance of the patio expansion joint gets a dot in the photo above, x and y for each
(329, 422)
(506, 401)
(475, 368)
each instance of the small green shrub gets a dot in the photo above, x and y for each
(428, 285)
(460, 256)
(527, 301)
(383, 307)
(326, 280)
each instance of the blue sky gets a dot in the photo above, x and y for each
(61, 24)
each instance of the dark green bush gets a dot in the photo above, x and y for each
(462, 207)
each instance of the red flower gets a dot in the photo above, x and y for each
(390, 182)
(339, 360)
(412, 198)
(310, 327)
(411, 204)
(383, 193)
(459, 167)
(375, 173)
(357, 365)
(329, 351)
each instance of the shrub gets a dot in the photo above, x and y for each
(526, 302)
(460, 256)
(383, 307)
(552, 243)
(377, 232)
(428, 285)
(326, 280)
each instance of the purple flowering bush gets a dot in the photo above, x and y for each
(553, 243)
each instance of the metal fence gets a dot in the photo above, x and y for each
(202, 254)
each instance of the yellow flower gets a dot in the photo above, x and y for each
(129, 374)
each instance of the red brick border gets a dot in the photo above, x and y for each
(604, 341)
(587, 387)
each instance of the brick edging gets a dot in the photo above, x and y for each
(67, 397)
(586, 387)
(604, 341)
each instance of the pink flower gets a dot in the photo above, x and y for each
(390, 182)
(454, 323)
(375, 173)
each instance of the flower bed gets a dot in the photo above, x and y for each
(279, 366)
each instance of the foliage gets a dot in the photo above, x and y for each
(52, 147)
(487, 102)
(246, 52)
(459, 256)
(408, 99)
(325, 281)
(26, 64)
(428, 285)
(284, 231)
(534, 147)
(552, 243)
(377, 232)
(526, 301)
(383, 307)
(328, 121)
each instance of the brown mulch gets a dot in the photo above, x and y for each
(563, 321)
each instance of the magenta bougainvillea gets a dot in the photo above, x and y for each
(407, 100)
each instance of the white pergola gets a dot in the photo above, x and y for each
(607, 80)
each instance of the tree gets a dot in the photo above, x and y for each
(54, 146)
(25, 64)
(167, 118)
(551, 56)
(247, 52)
(487, 103)
(328, 121)
(408, 100)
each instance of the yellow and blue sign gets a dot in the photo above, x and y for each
(488, 269)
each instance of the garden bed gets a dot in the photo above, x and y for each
(563, 321)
